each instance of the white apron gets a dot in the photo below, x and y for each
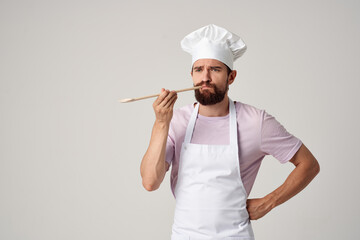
(210, 196)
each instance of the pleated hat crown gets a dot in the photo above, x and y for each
(214, 42)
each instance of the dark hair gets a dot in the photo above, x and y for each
(228, 69)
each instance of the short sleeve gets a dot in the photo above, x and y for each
(276, 140)
(170, 147)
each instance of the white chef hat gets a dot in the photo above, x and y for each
(214, 42)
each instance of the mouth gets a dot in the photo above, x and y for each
(203, 87)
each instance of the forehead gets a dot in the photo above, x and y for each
(208, 62)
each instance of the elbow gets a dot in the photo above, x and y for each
(150, 186)
(148, 182)
(316, 167)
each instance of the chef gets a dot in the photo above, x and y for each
(215, 147)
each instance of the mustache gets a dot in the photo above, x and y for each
(207, 84)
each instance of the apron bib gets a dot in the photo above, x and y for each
(210, 195)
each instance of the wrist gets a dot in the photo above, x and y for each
(161, 124)
(272, 200)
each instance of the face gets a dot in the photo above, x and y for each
(213, 76)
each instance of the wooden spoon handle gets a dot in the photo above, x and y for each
(126, 100)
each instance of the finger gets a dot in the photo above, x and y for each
(171, 101)
(172, 105)
(162, 96)
(167, 98)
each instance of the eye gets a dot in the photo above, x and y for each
(215, 70)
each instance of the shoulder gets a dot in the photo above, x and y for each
(247, 111)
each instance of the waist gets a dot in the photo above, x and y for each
(212, 224)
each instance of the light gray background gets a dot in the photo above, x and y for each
(70, 153)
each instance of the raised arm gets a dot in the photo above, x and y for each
(153, 165)
(306, 168)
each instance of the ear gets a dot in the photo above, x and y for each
(232, 76)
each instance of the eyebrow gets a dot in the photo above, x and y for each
(217, 67)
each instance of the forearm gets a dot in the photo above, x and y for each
(306, 169)
(153, 166)
(299, 178)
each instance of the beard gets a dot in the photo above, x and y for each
(209, 98)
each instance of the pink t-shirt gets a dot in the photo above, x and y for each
(259, 134)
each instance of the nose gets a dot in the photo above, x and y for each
(205, 77)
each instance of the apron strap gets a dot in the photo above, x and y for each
(233, 124)
(190, 126)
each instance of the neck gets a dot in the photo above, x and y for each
(216, 110)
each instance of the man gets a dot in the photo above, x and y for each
(216, 147)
